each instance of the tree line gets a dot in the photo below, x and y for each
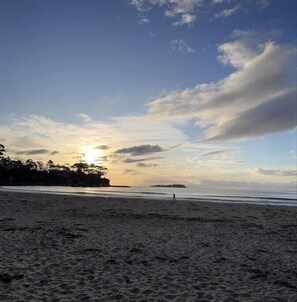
(29, 172)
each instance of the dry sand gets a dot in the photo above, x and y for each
(67, 248)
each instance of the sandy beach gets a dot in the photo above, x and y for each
(73, 248)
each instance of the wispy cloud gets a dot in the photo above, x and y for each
(143, 20)
(246, 184)
(275, 172)
(54, 152)
(35, 152)
(85, 117)
(128, 171)
(227, 12)
(181, 46)
(186, 12)
(257, 99)
(187, 19)
(263, 3)
(137, 160)
(215, 152)
(183, 10)
(144, 165)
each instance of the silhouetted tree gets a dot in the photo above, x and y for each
(31, 165)
(2, 149)
(50, 165)
(29, 172)
(89, 169)
(40, 166)
(80, 167)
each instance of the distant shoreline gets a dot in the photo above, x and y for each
(178, 186)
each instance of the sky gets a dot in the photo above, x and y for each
(196, 92)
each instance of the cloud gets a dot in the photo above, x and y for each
(263, 3)
(185, 12)
(276, 172)
(33, 152)
(127, 171)
(216, 158)
(140, 150)
(143, 20)
(228, 12)
(141, 5)
(247, 185)
(54, 152)
(277, 115)
(71, 140)
(257, 99)
(132, 160)
(102, 158)
(144, 165)
(216, 152)
(185, 19)
(85, 117)
(102, 147)
(246, 45)
(181, 46)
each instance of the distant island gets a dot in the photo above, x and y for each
(119, 186)
(169, 186)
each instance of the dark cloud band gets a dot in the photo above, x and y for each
(140, 150)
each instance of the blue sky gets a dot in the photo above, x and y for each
(211, 83)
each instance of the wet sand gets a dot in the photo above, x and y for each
(71, 248)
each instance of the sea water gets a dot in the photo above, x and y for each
(271, 197)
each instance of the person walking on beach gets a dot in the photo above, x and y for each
(173, 197)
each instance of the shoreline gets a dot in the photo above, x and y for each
(75, 248)
(154, 196)
(78, 197)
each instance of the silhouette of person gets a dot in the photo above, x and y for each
(173, 197)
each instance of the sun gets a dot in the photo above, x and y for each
(92, 156)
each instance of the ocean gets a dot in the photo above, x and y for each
(271, 197)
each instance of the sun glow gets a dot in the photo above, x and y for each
(92, 156)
